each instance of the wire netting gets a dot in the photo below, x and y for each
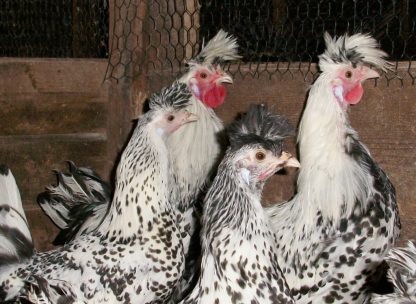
(157, 37)
(54, 28)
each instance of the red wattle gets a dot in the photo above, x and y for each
(214, 96)
(354, 96)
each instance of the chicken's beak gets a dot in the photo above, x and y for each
(287, 160)
(225, 78)
(190, 117)
(368, 73)
(291, 160)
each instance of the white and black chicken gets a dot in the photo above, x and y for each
(195, 150)
(334, 233)
(238, 262)
(136, 254)
(79, 202)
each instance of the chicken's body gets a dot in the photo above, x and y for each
(336, 230)
(136, 254)
(238, 263)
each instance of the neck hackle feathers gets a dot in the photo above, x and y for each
(260, 126)
(223, 47)
(355, 49)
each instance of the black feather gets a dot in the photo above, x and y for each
(176, 96)
(4, 170)
(259, 126)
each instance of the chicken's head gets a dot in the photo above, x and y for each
(257, 139)
(207, 84)
(168, 122)
(168, 108)
(257, 164)
(345, 64)
(347, 86)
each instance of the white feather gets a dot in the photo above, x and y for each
(363, 44)
(222, 46)
(12, 215)
(195, 149)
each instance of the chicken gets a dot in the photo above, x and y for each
(136, 254)
(402, 273)
(238, 263)
(195, 151)
(335, 231)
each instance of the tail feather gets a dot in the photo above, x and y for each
(41, 291)
(77, 204)
(15, 239)
(402, 273)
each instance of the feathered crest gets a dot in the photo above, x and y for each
(223, 47)
(259, 125)
(355, 49)
(176, 96)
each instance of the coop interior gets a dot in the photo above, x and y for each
(75, 76)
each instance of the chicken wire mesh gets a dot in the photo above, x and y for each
(54, 28)
(157, 37)
(275, 36)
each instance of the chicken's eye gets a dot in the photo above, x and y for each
(260, 155)
(348, 74)
(171, 118)
(203, 75)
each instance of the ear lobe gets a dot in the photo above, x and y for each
(339, 92)
(195, 90)
(245, 175)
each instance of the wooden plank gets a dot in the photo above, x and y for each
(52, 76)
(42, 229)
(32, 159)
(52, 114)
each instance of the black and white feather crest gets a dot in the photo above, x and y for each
(175, 96)
(356, 49)
(259, 125)
(221, 48)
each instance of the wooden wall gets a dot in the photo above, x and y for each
(58, 110)
(52, 111)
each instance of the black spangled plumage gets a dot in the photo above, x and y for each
(238, 263)
(344, 217)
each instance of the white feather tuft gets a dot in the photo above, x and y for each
(358, 48)
(223, 47)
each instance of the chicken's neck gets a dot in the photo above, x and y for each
(195, 149)
(142, 193)
(330, 180)
(231, 203)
